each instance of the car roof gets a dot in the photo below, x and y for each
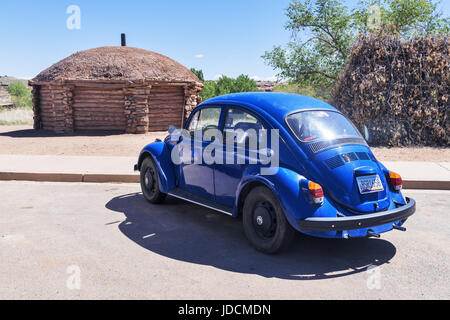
(276, 104)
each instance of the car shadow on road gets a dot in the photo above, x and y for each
(187, 232)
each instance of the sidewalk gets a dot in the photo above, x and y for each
(416, 175)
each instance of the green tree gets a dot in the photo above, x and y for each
(323, 31)
(199, 74)
(20, 95)
(18, 89)
(407, 17)
(209, 90)
(227, 85)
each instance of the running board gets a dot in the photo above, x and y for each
(184, 195)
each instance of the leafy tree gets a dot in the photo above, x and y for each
(18, 89)
(20, 95)
(227, 85)
(407, 17)
(199, 74)
(244, 84)
(209, 90)
(323, 31)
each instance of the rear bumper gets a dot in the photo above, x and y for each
(359, 222)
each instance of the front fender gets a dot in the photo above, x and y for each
(284, 183)
(161, 155)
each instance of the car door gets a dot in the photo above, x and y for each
(228, 175)
(196, 176)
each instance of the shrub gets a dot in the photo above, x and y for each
(22, 102)
(20, 95)
(18, 89)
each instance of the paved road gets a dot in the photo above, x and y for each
(106, 240)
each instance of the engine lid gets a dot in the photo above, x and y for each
(352, 177)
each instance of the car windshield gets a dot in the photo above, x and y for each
(310, 126)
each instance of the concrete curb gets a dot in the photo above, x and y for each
(133, 178)
(69, 177)
(426, 184)
(41, 177)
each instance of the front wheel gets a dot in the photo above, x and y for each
(150, 182)
(264, 222)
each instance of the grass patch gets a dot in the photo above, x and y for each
(20, 116)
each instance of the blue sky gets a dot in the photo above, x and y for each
(220, 37)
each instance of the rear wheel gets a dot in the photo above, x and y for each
(150, 182)
(264, 222)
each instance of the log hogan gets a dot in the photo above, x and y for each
(114, 88)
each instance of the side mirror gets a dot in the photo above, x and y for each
(172, 129)
(366, 134)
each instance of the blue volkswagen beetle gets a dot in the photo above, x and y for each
(281, 162)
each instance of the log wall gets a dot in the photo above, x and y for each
(136, 108)
(130, 107)
(98, 109)
(165, 107)
(53, 108)
(192, 98)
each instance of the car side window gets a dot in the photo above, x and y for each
(205, 119)
(241, 123)
(194, 122)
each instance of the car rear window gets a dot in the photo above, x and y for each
(309, 126)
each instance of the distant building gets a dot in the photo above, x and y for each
(114, 88)
(267, 86)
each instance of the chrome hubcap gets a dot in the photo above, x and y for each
(265, 221)
(259, 220)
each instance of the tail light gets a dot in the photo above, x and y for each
(313, 192)
(396, 181)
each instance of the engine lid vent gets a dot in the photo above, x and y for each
(363, 155)
(349, 157)
(334, 162)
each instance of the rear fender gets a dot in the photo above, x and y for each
(284, 183)
(161, 156)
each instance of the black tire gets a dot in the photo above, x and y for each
(264, 222)
(150, 182)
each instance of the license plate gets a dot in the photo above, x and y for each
(369, 184)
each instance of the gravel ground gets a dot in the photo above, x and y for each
(108, 240)
(25, 140)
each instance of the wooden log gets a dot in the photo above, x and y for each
(98, 118)
(99, 112)
(110, 93)
(164, 114)
(97, 105)
(106, 96)
(99, 99)
(98, 126)
(99, 122)
(162, 103)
